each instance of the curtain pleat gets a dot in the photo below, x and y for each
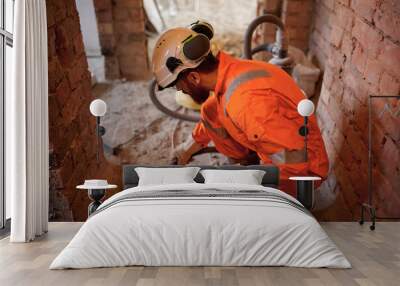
(29, 159)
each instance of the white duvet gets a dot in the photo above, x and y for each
(200, 231)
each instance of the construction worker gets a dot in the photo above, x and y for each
(253, 108)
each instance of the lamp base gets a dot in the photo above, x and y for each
(305, 190)
(305, 193)
(96, 195)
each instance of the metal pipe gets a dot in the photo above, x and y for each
(166, 110)
(267, 18)
(264, 47)
(98, 137)
(305, 137)
(369, 152)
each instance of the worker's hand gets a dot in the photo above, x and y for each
(184, 152)
(181, 156)
(184, 158)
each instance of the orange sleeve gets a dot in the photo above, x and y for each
(267, 122)
(200, 134)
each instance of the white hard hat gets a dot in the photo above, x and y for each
(179, 49)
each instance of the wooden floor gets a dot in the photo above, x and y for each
(375, 257)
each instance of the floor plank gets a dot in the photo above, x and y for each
(375, 257)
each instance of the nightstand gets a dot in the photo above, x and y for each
(96, 191)
(305, 190)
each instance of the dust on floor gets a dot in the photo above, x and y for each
(137, 132)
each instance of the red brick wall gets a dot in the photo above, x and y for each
(295, 14)
(122, 38)
(104, 15)
(357, 43)
(72, 128)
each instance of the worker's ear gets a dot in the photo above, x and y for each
(194, 78)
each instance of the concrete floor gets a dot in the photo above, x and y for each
(375, 258)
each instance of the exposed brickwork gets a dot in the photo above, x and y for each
(295, 14)
(122, 38)
(105, 26)
(357, 44)
(266, 34)
(71, 127)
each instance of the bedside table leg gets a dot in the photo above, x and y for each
(305, 193)
(96, 195)
(93, 207)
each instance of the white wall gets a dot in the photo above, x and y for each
(91, 40)
(89, 29)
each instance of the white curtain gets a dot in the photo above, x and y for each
(27, 144)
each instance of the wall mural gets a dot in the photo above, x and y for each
(103, 52)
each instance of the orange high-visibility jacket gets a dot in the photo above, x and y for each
(255, 108)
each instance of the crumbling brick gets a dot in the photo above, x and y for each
(364, 8)
(343, 16)
(368, 36)
(363, 61)
(387, 18)
(389, 85)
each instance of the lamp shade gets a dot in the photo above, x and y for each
(305, 107)
(98, 107)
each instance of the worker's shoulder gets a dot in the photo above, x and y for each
(241, 70)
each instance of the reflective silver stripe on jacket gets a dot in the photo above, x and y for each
(243, 78)
(221, 132)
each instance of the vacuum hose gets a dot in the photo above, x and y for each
(166, 110)
(279, 49)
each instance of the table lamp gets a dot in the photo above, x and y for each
(305, 108)
(98, 108)
(305, 184)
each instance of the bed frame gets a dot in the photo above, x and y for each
(130, 178)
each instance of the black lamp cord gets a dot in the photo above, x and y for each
(305, 137)
(98, 137)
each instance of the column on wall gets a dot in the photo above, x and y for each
(105, 26)
(122, 37)
(295, 14)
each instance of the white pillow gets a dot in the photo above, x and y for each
(163, 176)
(249, 177)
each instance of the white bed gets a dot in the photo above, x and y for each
(185, 230)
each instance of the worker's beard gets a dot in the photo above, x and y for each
(198, 93)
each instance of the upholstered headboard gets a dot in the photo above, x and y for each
(130, 178)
